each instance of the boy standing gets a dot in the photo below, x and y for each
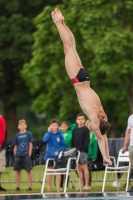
(55, 143)
(80, 140)
(22, 151)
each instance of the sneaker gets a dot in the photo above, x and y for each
(29, 189)
(114, 184)
(17, 188)
(2, 189)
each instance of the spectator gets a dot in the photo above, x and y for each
(80, 140)
(55, 143)
(129, 140)
(22, 153)
(67, 134)
(2, 150)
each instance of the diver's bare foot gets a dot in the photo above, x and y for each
(54, 17)
(59, 13)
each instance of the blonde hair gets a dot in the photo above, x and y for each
(22, 121)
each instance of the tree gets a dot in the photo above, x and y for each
(16, 19)
(103, 32)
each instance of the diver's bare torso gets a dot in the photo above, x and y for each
(89, 100)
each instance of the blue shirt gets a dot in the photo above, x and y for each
(55, 143)
(22, 141)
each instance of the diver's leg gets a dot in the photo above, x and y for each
(72, 63)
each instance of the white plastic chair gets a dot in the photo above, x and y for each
(122, 157)
(65, 171)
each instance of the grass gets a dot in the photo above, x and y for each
(8, 182)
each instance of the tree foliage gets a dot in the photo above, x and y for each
(104, 36)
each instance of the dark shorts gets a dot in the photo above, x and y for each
(81, 76)
(22, 163)
(83, 158)
(51, 163)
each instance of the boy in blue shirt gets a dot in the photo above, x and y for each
(22, 152)
(55, 143)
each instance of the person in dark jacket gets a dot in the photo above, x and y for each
(80, 140)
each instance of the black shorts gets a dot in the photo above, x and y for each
(51, 163)
(81, 76)
(22, 163)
